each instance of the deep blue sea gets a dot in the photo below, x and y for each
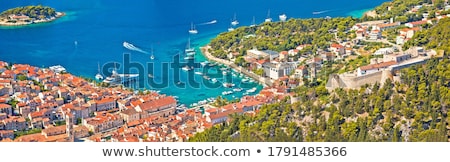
(99, 28)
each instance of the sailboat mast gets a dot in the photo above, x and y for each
(98, 63)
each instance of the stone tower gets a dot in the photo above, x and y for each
(69, 127)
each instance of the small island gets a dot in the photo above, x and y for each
(28, 15)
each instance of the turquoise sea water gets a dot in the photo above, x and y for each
(101, 26)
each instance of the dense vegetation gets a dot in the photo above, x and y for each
(398, 9)
(437, 37)
(279, 36)
(35, 12)
(414, 110)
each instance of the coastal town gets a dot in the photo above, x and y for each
(39, 104)
(52, 105)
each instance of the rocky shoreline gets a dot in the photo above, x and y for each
(23, 23)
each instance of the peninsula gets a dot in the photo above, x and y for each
(28, 15)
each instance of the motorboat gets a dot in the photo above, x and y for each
(228, 85)
(204, 63)
(186, 68)
(251, 90)
(237, 89)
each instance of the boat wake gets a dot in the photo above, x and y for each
(209, 22)
(133, 48)
(320, 12)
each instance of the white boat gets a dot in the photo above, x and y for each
(227, 93)
(133, 48)
(152, 57)
(214, 80)
(99, 76)
(245, 80)
(253, 22)
(189, 58)
(268, 19)
(251, 90)
(198, 73)
(283, 17)
(186, 68)
(204, 63)
(234, 22)
(150, 75)
(228, 85)
(224, 72)
(57, 69)
(237, 89)
(189, 49)
(230, 29)
(193, 30)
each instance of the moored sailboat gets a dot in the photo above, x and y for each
(193, 30)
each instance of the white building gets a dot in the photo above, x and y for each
(384, 51)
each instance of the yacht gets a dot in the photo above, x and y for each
(186, 68)
(99, 75)
(204, 63)
(251, 90)
(193, 30)
(189, 58)
(268, 19)
(230, 29)
(198, 73)
(234, 22)
(227, 93)
(228, 85)
(237, 89)
(283, 17)
(214, 80)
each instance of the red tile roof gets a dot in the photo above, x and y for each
(105, 100)
(4, 106)
(334, 45)
(158, 103)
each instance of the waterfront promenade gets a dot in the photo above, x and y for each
(260, 79)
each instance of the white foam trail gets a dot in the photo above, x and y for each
(209, 22)
(133, 48)
(320, 12)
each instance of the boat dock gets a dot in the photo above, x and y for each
(262, 80)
